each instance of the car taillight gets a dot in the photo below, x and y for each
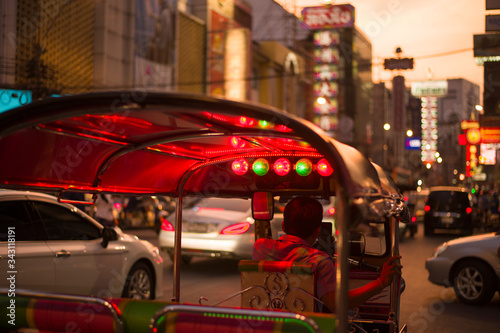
(236, 229)
(331, 211)
(468, 210)
(427, 208)
(413, 219)
(167, 226)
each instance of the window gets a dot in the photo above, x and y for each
(15, 214)
(64, 224)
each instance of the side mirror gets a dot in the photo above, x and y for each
(108, 234)
(357, 244)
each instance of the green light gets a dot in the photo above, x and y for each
(303, 167)
(473, 190)
(260, 167)
(263, 123)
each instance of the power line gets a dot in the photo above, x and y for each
(442, 54)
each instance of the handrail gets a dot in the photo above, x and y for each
(256, 287)
(196, 309)
(73, 298)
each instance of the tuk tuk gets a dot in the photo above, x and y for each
(138, 143)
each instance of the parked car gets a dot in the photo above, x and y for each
(448, 208)
(215, 227)
(471, 265)
(60, 249)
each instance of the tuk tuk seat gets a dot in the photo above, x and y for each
(278, 285)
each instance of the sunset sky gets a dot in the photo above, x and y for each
(438, 34)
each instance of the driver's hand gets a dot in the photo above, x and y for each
(391, 268)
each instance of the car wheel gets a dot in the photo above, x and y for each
(474, 283)
(139, 283)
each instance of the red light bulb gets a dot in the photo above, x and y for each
(282, 166)
(324, 168)
(240, 166)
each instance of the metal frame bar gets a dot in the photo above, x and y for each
(196, 309)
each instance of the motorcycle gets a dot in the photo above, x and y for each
(183, 146)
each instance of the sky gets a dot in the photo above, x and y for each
(438, 34)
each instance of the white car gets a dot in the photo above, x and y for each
(470, 264)
(215, 227)
(52, 247)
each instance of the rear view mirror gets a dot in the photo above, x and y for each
(262, 206)
(263, 213)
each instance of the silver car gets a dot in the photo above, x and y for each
(470, 264)
(52, 247)
(215, 227)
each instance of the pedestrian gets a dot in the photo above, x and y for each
(104, 210)
(483, 208)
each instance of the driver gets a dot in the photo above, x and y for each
(301, 224)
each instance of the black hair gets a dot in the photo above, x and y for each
(302, 217)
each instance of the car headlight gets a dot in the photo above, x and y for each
(440, 249)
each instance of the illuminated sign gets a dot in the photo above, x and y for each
(326, 72)
(472, 160)
(326, 88)
(326, 122)
(436, 88)
(490, 134)
(413, 143)
(326, 55)
(429, 129)
(330, 106)
(488, 153)
(10, 99)
(326, 38)
(466, 124)
(328, 17)
(473, 136)
(481, 60)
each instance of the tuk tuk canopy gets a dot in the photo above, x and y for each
(144, 143)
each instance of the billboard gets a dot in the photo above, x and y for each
(492, 23)
(435, 88)
(398, 63)
(154, 44)
(487, 45)
(237, 63)
(328, 17)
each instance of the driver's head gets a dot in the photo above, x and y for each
(302, 217)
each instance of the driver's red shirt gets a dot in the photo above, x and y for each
(293, 248)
